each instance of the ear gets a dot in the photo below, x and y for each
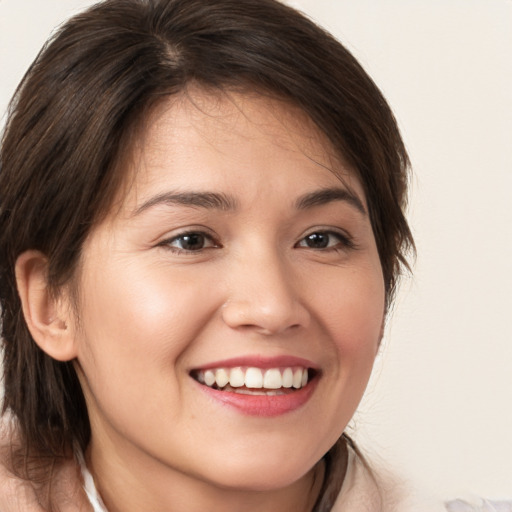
(49, 318)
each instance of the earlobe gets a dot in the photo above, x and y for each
(48, 317)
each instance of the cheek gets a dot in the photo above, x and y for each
(139, 315)
(353, 312)
(136, 325)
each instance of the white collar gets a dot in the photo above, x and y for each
(90, 488)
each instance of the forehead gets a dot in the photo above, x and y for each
(210, 140)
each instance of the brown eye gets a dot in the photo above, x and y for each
(317, 240)
(190, 242)
(325, 240)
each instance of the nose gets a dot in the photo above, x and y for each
(264, 296)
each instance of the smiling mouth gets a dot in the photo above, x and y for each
(255, 381)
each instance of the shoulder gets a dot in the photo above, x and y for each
(368, 489)
(18, 494)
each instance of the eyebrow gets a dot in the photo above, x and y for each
(224, 202)
(328, 195)
(209, 200)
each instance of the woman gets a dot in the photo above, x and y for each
(201, 230)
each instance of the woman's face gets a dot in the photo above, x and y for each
(242, 253)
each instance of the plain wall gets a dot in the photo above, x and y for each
(439, 404)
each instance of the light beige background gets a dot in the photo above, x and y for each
(439, 407)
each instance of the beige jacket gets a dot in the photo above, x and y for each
(379, 491)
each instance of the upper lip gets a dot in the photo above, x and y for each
(259, 361)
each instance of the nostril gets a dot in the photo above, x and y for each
(266, 317)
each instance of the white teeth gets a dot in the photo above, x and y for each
(236, 377)
(272, 379)
(297, 378)
(304, 378)
(221, 377)
(253, 392)
(209, 378)
(288, 378)
(253, 378)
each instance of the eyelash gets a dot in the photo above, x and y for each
(343, 241)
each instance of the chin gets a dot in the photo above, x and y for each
(261, 476)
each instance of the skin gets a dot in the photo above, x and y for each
(150, 311)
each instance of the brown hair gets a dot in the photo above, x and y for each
(71, 120)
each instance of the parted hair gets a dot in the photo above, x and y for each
(69, 131)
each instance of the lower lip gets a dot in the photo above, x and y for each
(262, 405)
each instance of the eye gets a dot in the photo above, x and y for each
(193, 241)
(325, 240)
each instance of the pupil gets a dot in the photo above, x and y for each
(192, 242)
(318, 240)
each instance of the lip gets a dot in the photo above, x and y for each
(259, 362)
(261, 405)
